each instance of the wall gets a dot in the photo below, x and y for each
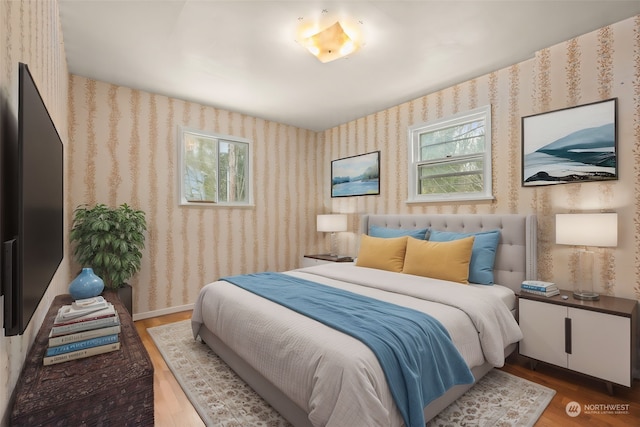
(30, 32)
(597, 66)
(123, 149)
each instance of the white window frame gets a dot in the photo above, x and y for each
(414, 155)
(182, 200)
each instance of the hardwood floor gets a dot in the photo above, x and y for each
(172, 407)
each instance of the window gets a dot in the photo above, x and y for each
(214, 169)
(450, 159)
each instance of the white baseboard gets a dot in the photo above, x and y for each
(162, 312)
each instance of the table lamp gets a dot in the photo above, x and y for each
(332, 223)
(586, 230)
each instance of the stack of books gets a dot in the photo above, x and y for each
(538, 287)
(85, 328)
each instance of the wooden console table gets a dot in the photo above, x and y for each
(108, 389)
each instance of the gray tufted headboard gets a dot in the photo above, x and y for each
(516, 253)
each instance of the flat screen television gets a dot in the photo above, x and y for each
(32, 207)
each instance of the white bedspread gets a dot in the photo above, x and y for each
(332, 376)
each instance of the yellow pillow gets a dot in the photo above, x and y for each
(382, 253)
(439, 260)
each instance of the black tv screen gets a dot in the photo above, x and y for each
(34, 254)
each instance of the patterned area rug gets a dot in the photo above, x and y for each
(223, 400)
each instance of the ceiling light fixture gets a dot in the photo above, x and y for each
(330, 44)
(329, 36)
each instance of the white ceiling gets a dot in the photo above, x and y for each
(242, 55)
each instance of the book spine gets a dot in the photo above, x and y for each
(80, 354)
(544, 294)
(83, 319)
(85, 326)
(85, 335)
(531, 291)
(534, 288)
(81, 345)
(84, 314)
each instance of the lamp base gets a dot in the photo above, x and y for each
(585, 295)
(334, 245)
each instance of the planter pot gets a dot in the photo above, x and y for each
(125, 293)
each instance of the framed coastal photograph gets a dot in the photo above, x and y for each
(577, 144)
(356, 175)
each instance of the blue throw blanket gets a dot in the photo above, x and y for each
(414, 350)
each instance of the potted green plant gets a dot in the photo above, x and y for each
(110, 241)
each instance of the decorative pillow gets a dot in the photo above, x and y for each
(382, 253)
(375, 231)
(483, 256)
(439, 260)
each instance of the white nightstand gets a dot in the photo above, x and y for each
(596, 338)
(311, 260)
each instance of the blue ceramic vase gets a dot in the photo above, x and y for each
(86, 285)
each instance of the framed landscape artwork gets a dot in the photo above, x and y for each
(577, 144)
(356, 175)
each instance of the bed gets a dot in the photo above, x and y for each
(315, 375)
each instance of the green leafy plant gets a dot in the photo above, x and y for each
(109, 240)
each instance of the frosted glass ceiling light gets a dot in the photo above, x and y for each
(331, 43)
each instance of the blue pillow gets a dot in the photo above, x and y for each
(375, 231)
(483, 253)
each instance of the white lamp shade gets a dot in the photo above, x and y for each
(332, 223)
(587, 229)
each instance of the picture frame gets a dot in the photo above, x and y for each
(357, 175)
(570, 145)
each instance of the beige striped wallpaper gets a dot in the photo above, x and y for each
(123, 150)
(30, 33)
(593, 67)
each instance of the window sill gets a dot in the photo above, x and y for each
(456, 198)
(217, 205)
